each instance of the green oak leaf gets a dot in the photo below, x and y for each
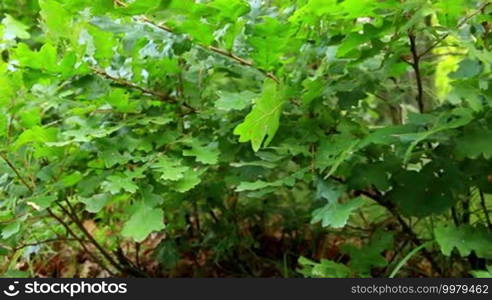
(95, 203)
(324, 269)
(56, 18)
(71, 179)
(466, 239)
(433, 190)
(31, 117)
(112, 157)
(260, 184)
(41, 202)
(14, 29)
(11, 229)
(363, 259)
(455, 118)
(475, 141)
(261, 124)
(103, 43)
(230, 10)
(169, 169)
(482, 273)
(252, 186)
(334, 150)
(234, 101)
(190, 179)
(269, 40)
(143, 222)
(3, 125)
(467, 68)
(119, 182)
(208, 154)
(335, 213)
(44, 59)
(7, 90)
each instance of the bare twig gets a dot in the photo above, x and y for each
(160, 26)
(70, 212)
(485, 211)
(80, 241)
(378, 198)
(13, 168)
(137, 255)
(460, 24)
(43, 242)
(130, 267)
(240, 60)
(444, 54)
(57, 218)
(454, 215)
(119, 81)
(406, 228)
(220, 51)
(416, 67)
(131, 85)
(125, 265)
(120, 3)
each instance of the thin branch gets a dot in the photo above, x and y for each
(444, 54)
(126, 266)
(460, 24)
(163, 97)
(10, 127)
(42, 242)
(160, 26)
(376, 196)
(454, 215)
(223, 52)
(124, 83)
(57, 218)
(220, 51)
(241, 61)
(70, 212)
(80, 241)
(434, 45)
(130, 267)
(120, 3)
(137, 255)
(416, 67)
(405, 227)
(19, 176)
(485, 211)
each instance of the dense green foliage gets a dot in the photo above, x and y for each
(318, 138)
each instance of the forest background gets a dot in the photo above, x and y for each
(235, 138)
